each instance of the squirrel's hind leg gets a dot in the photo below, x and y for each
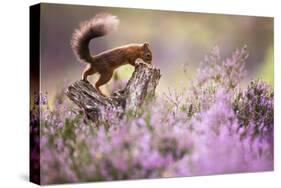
(103, 79)
(88, 71)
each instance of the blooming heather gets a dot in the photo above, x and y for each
(200, 131)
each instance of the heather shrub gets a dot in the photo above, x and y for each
(213, 127)
(254, 109)
(213, 74)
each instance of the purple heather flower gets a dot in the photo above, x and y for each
(213, 127)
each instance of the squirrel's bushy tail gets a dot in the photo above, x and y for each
(98, 26)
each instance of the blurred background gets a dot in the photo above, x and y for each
(179, 40)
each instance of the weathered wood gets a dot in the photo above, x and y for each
(142, 84)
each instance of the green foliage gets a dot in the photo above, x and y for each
(266, 71)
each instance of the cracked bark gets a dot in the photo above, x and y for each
(139, 88)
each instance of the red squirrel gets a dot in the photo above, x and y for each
(105, 62)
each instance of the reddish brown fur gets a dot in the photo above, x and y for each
(106, 62)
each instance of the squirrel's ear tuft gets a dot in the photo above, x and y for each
(145, 44)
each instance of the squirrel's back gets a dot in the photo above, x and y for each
(98, 26)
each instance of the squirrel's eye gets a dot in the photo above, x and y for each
(147, 55)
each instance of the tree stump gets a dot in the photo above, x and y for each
(141, 85)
